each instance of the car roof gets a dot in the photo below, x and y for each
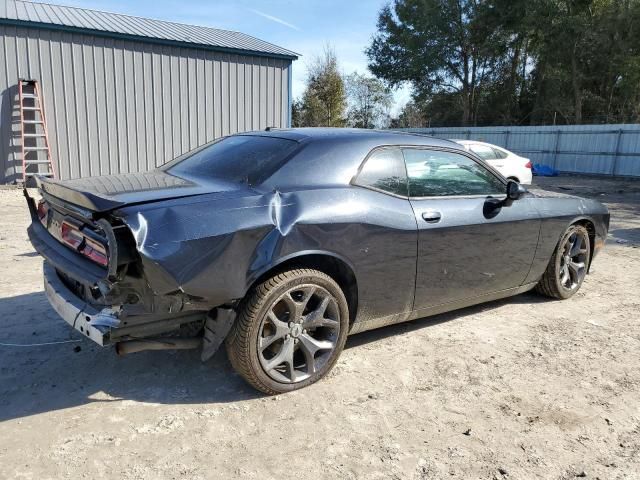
(469, 142)
(332, 156)
(478, 142)
(368, 136)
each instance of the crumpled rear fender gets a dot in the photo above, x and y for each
(215, 249)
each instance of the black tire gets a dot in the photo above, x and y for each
(266, 307)
(552, 284)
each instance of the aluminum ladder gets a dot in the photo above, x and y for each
(36, 152)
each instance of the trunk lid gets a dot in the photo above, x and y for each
(105, 193)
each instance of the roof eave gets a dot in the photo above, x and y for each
(144, 39)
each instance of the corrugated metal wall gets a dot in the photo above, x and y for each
(116, 106)
(595, 149)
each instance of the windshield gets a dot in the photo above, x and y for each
(238, 159)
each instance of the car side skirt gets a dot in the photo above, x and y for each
(365, 325)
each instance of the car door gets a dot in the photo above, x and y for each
(468, 245)
(384, 242)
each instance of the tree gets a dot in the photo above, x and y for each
(502, 62)
(369, 101)
(323, 103)
(583, 48)
(296, 114)
(411, 116)
(437, 45)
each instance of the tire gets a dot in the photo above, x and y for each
(289, 332)
(566, 272)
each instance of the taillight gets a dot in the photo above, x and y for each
(95, 251)
(43, 210)
(71, 235)
(528, 164)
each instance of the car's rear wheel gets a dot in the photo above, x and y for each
(568, 265)
(290, 331)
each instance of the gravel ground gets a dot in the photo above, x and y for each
(519, 388)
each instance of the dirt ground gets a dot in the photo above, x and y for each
(519, 388)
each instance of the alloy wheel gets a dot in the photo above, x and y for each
(299, 333)
(573, 262)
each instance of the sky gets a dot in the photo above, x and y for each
(304, 26)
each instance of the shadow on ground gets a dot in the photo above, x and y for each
(625, 235)
(51, 377)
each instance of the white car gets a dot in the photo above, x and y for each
(509, 164)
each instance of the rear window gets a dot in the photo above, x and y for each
(238, 159)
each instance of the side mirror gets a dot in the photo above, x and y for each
(515, 190)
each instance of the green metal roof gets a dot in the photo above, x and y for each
(81, 20)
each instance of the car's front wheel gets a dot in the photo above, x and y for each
(568, 265)
(290, 331)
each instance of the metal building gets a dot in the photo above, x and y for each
(125, 94)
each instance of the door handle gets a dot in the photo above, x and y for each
(431, 216)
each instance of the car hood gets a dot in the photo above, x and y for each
(108, 192)
(538, 192)
(581, 204)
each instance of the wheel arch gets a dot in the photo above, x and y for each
(329, 263)
(590, 225)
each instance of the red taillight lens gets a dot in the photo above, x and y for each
(95, 251)
(528, 165)
(43, 210)
(71, 235)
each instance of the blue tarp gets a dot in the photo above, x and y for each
(544, 170)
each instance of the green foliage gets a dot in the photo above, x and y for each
(369, 101)
(296, 113)
(323, 103)
(513, 61)
(411, 116)
(436, 45)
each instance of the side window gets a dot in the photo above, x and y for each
(500, 154)
(384, 170)
(433, 173)
(484, 152)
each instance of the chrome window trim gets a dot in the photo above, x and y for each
(463, 152)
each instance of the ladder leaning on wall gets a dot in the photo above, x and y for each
(36, 152)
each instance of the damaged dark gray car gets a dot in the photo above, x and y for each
(283, 242)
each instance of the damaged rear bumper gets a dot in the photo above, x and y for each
(104, 326)
(90, 322)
